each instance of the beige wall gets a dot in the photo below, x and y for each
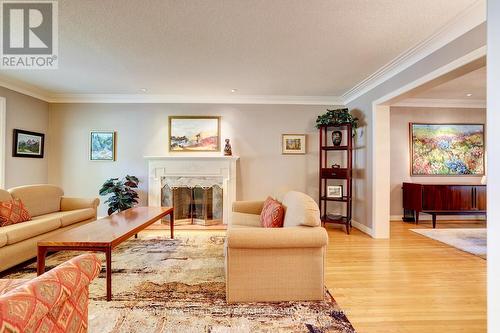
(255, 132)
(400, 145)
(28, 113)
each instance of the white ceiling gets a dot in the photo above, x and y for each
(260, 47)
(472, 83)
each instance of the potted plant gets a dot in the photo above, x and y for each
(122, 194)
(337, 117)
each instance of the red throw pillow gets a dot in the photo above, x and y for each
(12, 212)
(272, 214)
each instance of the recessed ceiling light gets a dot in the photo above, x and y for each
(234, 90)
(144, 89)
(468, 95)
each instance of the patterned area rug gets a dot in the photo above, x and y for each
(163, 285)
(469, 240)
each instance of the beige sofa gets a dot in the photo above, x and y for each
(276, 264)
(51, 212)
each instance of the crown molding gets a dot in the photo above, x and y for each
(25, 90)
(442, 103)
(470, 18)
(149, 98)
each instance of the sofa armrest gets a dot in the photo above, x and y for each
(248, 207)
(275, 238)
(68, 203)
(48, 291)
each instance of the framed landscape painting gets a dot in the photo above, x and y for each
(447, 149)
(28, 144)
(102, 145)
(292, 144)
(194, 133)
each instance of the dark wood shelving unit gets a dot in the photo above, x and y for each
(326, 172)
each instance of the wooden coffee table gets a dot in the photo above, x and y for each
(103, 235)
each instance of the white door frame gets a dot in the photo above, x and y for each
(381, 142)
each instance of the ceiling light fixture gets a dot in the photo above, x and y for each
(468, 95)
(144, 89)
(234, 90)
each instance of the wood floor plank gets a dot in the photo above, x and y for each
(409, 283)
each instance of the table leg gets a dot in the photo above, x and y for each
(433, 221)
(108, 274)
(42, 251)
(417, 216)
(172, 225)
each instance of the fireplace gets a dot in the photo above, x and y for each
(196, 200)
(201, 189)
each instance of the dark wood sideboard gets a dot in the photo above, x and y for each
(441, 199)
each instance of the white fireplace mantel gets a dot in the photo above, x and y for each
(223, 167)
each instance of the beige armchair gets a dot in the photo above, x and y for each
(276, 264)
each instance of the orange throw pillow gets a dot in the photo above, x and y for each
(272, 214)
(12, 212)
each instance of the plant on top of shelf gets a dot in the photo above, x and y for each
(122, 194)
(337, 117)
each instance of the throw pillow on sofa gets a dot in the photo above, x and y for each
(272, 214)
(301, 210)
(12, 212)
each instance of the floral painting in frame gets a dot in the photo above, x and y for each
(102, 145)
(447, 149)
(194, 133)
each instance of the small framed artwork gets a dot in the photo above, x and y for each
(28, 144)
(335, 191)
(102, 145)
(447, 149)
(194, 133)
(293, 144)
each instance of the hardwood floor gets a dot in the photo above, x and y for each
(409, 283)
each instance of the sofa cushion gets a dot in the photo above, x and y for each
(300, 209)
(39, 199)
(245, 220)
(5, 195)
(12, 212)
(272, 214)
(3, 239)
(75, 216)
(38, 225)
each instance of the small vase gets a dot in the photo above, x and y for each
(336, 138)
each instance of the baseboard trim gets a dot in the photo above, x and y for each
(427, 217)
(361, 227)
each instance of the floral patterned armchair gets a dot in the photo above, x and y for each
(56, 301)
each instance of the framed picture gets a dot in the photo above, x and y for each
(335, 191)
(292, 144)
(447, 149)
(102, 145)
(28, 144)
(194, 134)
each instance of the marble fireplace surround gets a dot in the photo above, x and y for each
(223, 167)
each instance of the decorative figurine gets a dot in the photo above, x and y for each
(227, 149)
(336, 138)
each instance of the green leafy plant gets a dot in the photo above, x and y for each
(337, 117)
(122, 194)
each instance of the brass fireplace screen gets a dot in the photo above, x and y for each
(194, 205)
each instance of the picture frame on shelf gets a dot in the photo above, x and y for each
(102, 145)
(28, 144)
(293, 144)
(335, 191)
(194, 134)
